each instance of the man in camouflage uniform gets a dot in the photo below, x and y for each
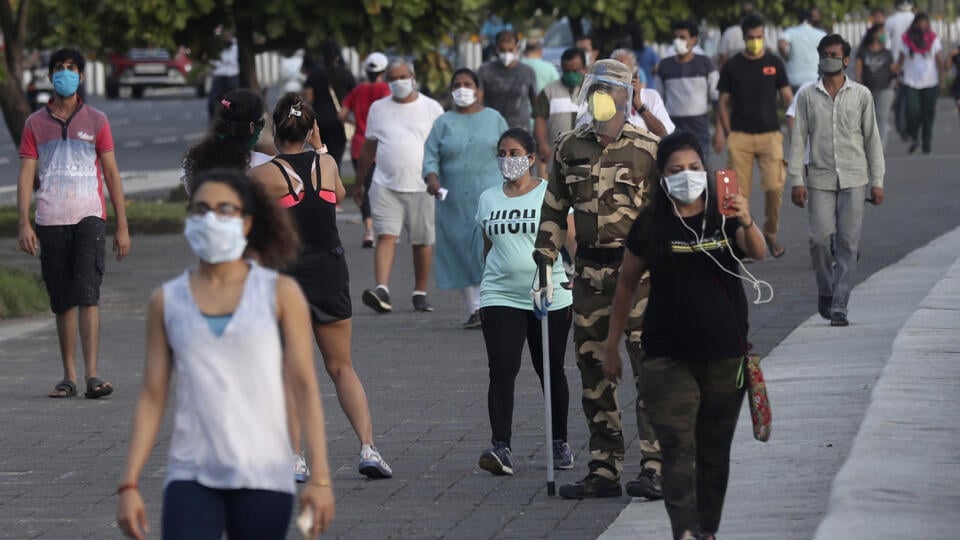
(601, 169)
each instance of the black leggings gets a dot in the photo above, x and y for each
(195, 512)
(504, 330)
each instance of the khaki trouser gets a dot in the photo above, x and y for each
(767, 149)
(593, 289)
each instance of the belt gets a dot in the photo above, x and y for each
(601, 255)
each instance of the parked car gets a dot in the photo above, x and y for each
(140, 69)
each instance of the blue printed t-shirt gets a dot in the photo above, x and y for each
(511, 225)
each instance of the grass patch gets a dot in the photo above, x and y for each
(143, 217)
(21, 293)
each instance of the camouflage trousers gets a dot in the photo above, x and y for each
(593, 288)
(693, 406)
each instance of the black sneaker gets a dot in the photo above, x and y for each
(562, 455)
(647, 485)
(420, 303)
(592, 485)
(823, 306)
(472, 322)
(839, 319)
(377, 300)
(497, 460)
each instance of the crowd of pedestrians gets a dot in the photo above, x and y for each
(601, 163)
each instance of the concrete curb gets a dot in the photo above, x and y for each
(900, 479)
(820, 381)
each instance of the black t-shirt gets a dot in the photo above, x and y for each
(753, 86)
(323, 105)
(876, 69)
(695, 309)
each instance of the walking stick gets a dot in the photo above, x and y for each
(547, 411)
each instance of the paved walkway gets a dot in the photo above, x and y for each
(426, 379)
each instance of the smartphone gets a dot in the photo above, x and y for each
(726, 185)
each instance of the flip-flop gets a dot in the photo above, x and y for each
(97, 388)
(64, 389)
(776, 250)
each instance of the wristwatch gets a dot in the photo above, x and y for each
(642, 109)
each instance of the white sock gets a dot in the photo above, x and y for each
(471, 298)
(419, 293)
(384, 287)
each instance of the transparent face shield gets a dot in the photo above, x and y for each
(604, 103)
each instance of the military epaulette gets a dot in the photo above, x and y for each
(640, 133)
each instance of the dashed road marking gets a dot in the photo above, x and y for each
(133, 144)
(4, 160)
(164, 140)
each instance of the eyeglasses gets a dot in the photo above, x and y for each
(221, 210)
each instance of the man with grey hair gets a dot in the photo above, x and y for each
(533, 56)
(397, 127)
(648, 110)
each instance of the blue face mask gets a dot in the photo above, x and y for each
(66, 82)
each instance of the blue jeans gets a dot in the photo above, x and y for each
(195, 512)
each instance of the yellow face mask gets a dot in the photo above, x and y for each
(754, 46)
(602, 106)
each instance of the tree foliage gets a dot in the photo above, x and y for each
(610, 19)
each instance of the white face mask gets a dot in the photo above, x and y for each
(514, 167)
(686, 186)
(464, 97)
(507, 58)
(680, 45)
(215, 239)
(401, 88)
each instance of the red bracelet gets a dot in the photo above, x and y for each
(124, 487)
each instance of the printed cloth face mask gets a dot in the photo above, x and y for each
(514, 167)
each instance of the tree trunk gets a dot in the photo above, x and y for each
(13, 100)
(245, 46)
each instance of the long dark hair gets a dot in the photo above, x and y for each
(871, 36)
(656, 218)
(227, 144)
(916, 34)
(273, 239)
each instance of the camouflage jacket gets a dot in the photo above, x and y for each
(605, 186)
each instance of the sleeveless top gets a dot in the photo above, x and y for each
(230, 423)
(315, 210)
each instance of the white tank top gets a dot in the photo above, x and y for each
(230, 424)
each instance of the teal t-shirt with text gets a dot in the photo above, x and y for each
(511, 225)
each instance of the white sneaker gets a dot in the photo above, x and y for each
(301, 473)
(372, 464)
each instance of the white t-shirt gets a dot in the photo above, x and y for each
(228, 65)
(731, 41)
(400, 130)
(920, 71)
(792, 113)
(897, 24)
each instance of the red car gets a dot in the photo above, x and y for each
(140, 69)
